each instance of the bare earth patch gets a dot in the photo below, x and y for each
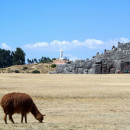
(72, 102)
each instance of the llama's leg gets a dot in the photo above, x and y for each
(10, 118)
(22, 115)
(25, 118)
(5, 118)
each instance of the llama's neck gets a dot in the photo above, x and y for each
(35, 111)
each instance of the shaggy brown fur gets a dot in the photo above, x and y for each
(19, 103)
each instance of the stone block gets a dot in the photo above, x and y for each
(112, 71)
(91, 71)
(85, 71)
(98, 69)
(80, 70)
(80, 63)
(88, 65)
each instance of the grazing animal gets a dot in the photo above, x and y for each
(19, 103)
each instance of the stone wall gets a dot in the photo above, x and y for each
(109, 62)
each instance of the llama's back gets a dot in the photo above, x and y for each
(16, 103)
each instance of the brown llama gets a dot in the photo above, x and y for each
(19, 103)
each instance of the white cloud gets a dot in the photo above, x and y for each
(90, 43)
(56, 42)
(66, 45)
(93, 43)
(5, 46)
(71, 58)
(37, 45)
(114, 42)
(124, 40)
(55, 45)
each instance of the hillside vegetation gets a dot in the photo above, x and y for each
(29, 68)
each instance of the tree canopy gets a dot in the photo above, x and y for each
(5, 58)
(18, 57)
(41, 60)
(8, 58)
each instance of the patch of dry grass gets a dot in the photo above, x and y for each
(72, 102)
(44, 68)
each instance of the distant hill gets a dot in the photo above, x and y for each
(29, 68)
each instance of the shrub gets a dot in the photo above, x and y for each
(53, 65)
(25, 68)
(36, 71)
(17, 71)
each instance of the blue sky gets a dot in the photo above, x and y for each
(80, 27)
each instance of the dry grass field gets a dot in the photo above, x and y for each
(72, 102)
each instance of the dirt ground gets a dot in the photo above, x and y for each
(72, 102)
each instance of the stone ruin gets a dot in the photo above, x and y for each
(110, 62)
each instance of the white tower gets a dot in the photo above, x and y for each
(61, 54)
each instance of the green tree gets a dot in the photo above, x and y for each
(32, 61)
(29, 61)
(42, 60)
(18, 57)
(53, 58)
(53, 65)
(45, 60)
(5, 58)
(35, 60)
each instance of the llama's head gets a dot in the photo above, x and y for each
(40, 117)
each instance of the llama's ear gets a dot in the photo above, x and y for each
(44, 115)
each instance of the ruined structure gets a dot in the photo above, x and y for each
(110, 62)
